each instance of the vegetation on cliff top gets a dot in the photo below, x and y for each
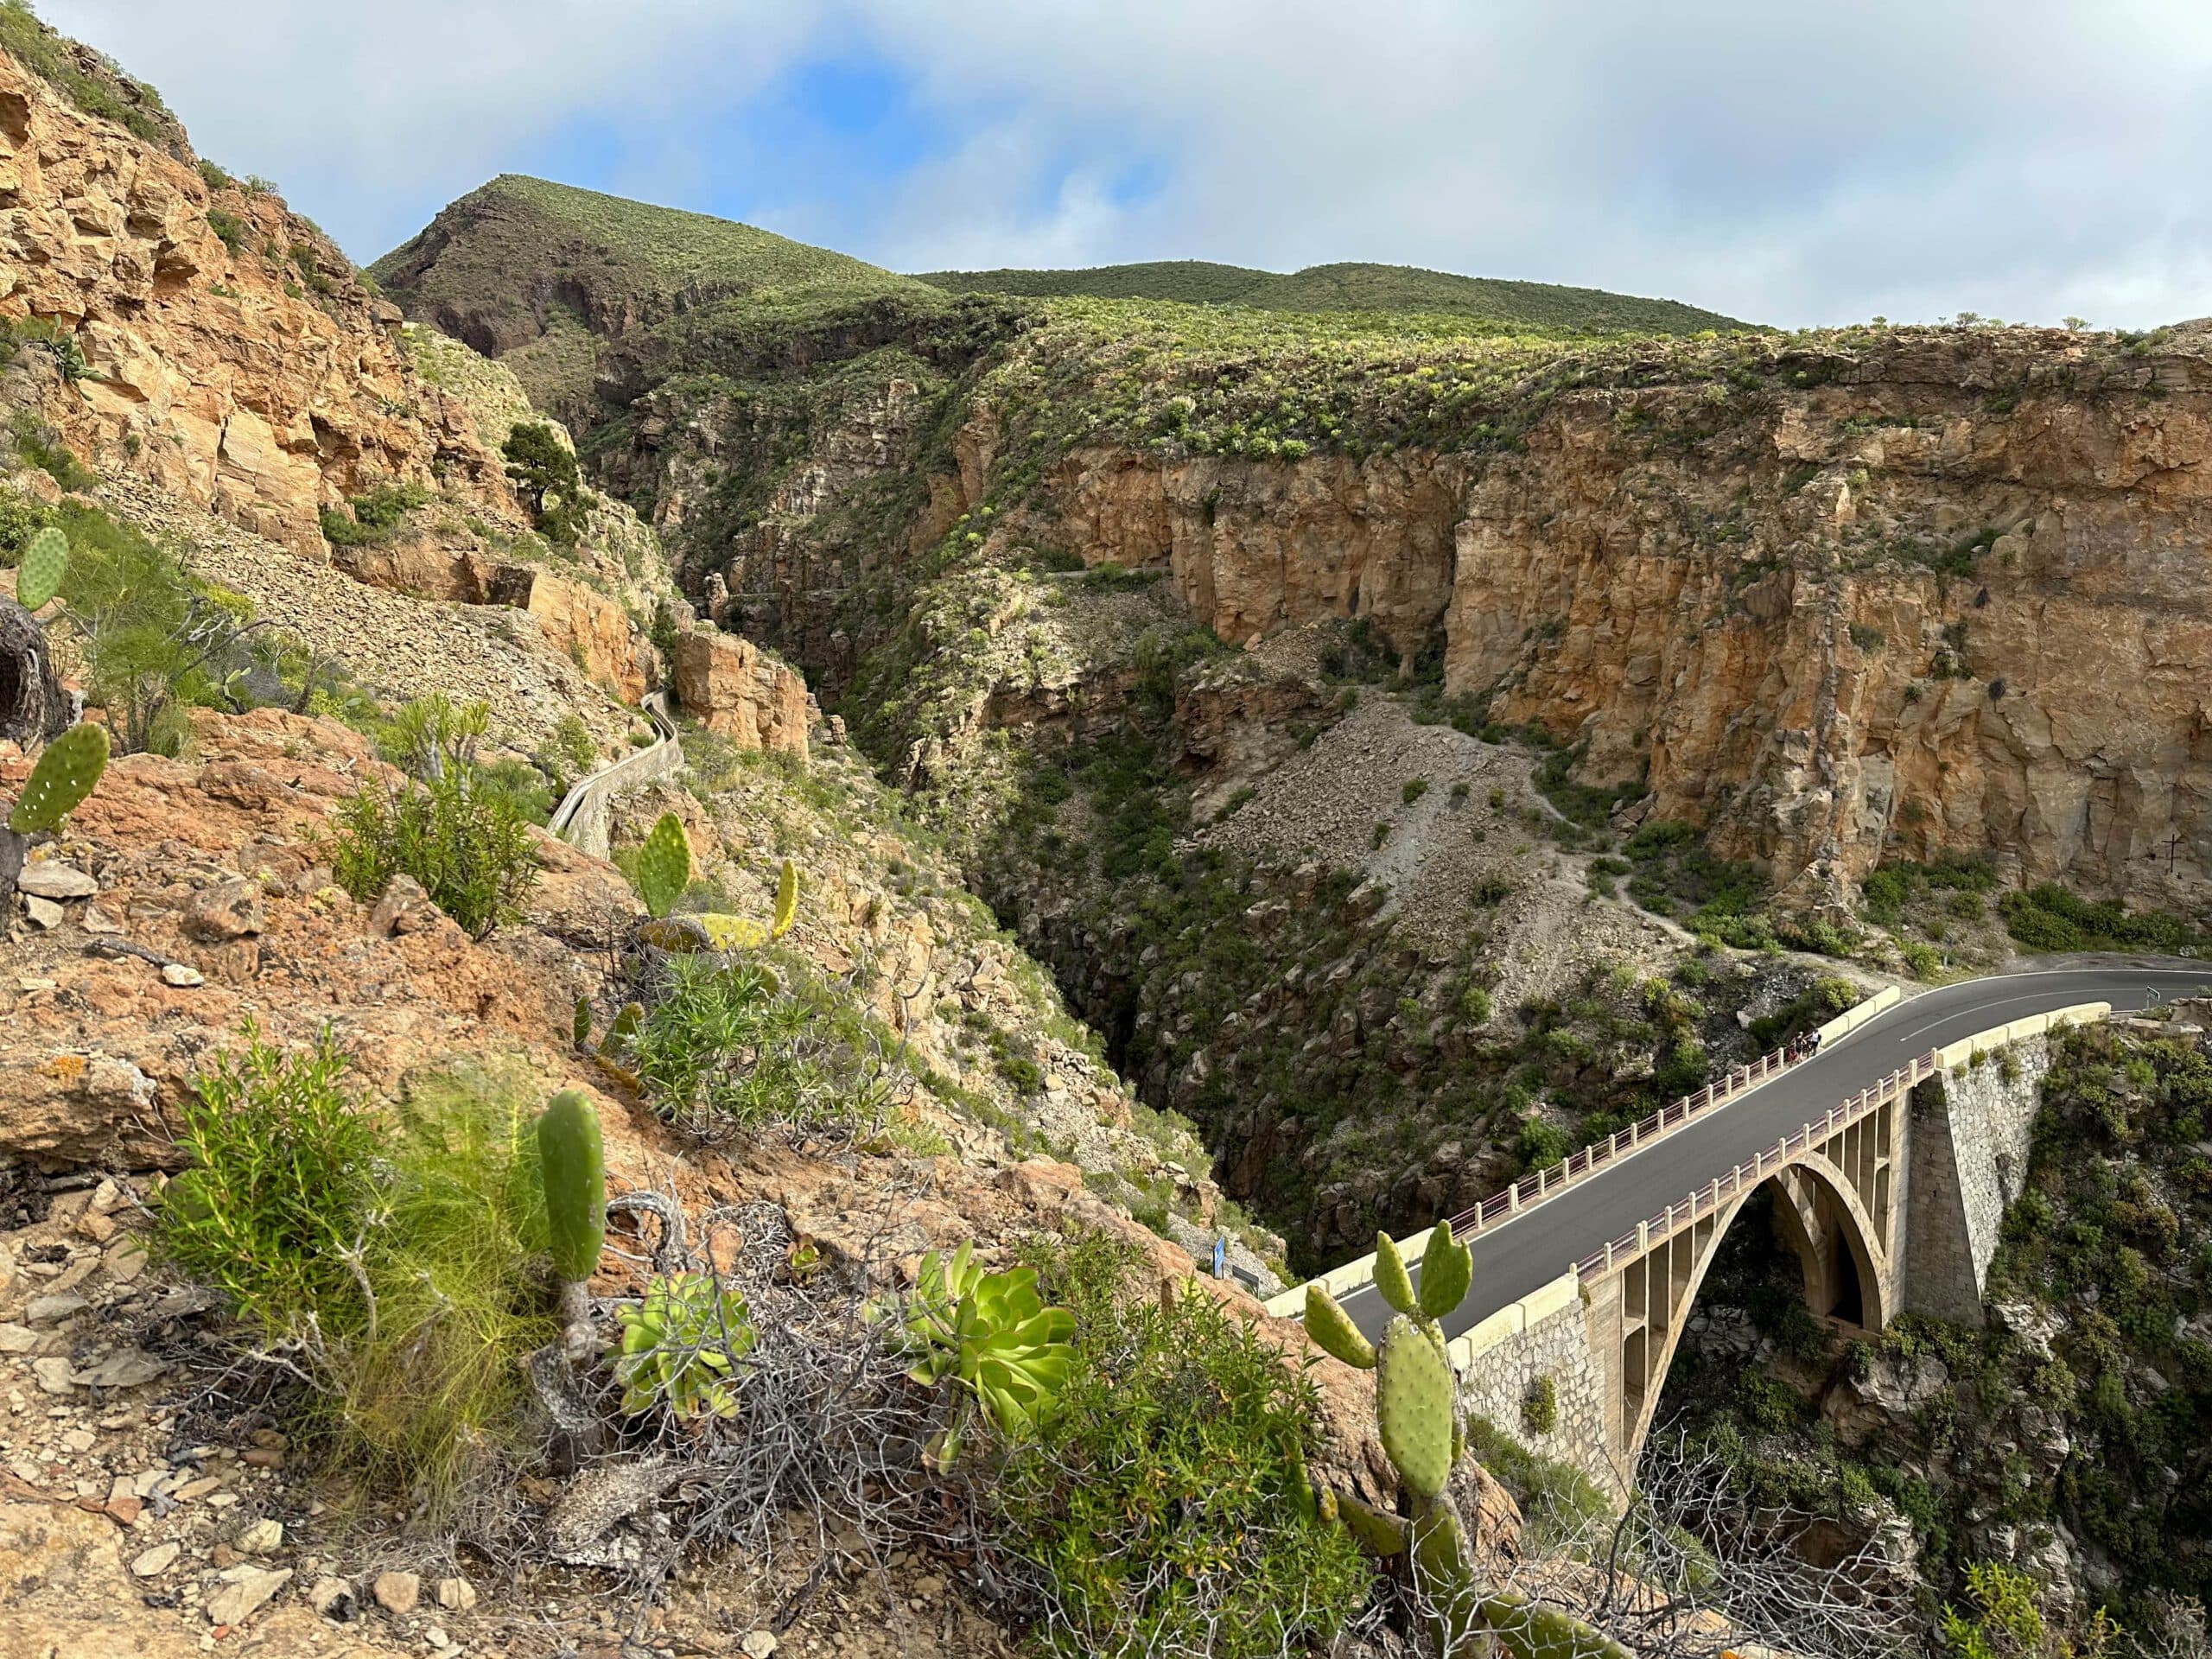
(88, 80)
(1356, 286)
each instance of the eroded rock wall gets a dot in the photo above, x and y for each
(1951, 599)
(262, 379)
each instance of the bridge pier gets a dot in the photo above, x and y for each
(1971, 1131)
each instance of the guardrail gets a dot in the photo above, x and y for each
(1530, 1190)
(580, 819)
(1703, 1202)
(1657, 1230)
(1548, 1183)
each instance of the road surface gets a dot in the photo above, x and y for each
(1514, 1257)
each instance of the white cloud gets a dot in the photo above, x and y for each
(373, 117)
(1791, 164)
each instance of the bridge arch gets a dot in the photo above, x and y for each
(1823, 1218)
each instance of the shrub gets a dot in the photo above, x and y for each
(400, 1272)
(465, 839)
(42, 446)
(1414, 790)
(1157, 1514)
(228, 227)
(736, 1046)
(1540, 1407)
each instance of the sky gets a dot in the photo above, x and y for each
(1780, 161)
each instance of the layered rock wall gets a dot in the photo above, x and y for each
(1949, 599)
(737, 690)
(234, 359)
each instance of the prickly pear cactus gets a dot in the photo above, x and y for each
(1330, 1326)
(65, 774)
(664, 867)
(580, 1023)
(1417, 1413)
(45, 562)
(1447, 1272)
(1414, 1408)
(574, 1161)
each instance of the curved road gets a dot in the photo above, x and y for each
(581, 818)
(1514, 1257)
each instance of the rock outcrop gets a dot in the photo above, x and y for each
(231, 354)
(736, 689)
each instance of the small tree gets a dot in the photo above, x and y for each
(542, 468)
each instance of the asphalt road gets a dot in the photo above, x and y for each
(1516, 1257)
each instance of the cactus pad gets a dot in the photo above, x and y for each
(1414, 1408)
(786, 900)
(570, 1147)
(1331, 1327)
(1530, 1629)
(629, 1020)
(580, 1024)
(1447, 1272)
(664, 867)
(46, 560)
(1376, 1532)
(1391, 1277)
(65, 774)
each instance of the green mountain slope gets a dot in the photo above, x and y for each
(1351, 286)
(533, 272)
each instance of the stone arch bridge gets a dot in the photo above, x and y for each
(1890, 1156)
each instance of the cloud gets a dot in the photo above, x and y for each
(372, 118)
(1789, 163)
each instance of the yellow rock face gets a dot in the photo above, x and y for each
(1952, 601)
(265, 382)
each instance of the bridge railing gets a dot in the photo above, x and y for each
(1658, 1228)
(1726, 1187)
(1546, 1182)
(1579, 1165)
(1534, 1188)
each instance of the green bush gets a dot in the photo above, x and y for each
(41, 446)
(374, 517)
(2049, 918)
(737, 1045)
(1414, 790)
(1540, 1407)
(400, 1271)
(1156, 1514)
(228, 227)
(465, 839)
(1556, 1499)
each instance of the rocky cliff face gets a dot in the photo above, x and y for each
(234, 357)
(1948, 599)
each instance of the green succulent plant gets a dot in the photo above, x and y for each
(714, 930)
(45, 562)
(64, 775)
(992, 1334)
(1417, 1417)
(681, 1347)
(571, 1149)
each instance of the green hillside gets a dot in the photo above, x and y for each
(541, 275)
(628, 248)
(1352, 287)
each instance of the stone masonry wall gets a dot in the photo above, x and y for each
(1495, 1381)
(1968, 1159)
